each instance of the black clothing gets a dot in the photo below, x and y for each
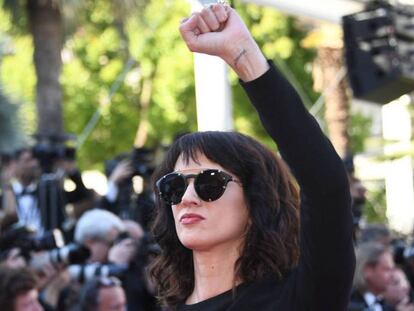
(138, 296)
(358, 303)
(81, 192)
(51, 201)
(50, 198)
(323, 278)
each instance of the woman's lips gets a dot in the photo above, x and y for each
(188, 219)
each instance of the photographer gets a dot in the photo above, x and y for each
(136, 251)
(35, 197)
(18, 290)
(21, 191)
(80, 197)
(118, 178)
(118, 249)
(44, 255)
(98, 229)
(129, 192)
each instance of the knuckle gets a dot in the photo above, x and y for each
(191, 46)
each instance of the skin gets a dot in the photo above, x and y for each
(27, 168)
(215, 231)
(14, 259)
(398, 290)
(100, 248)
(134, 229)
(216, 240)
(379, 276)
(233, 43)
(28, 301)
(124, 251)
(112, 299)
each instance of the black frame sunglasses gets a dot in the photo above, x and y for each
(209, 185)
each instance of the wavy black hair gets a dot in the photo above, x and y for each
(271, 245)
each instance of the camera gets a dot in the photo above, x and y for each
(142, 162)
(24, 238)
(52, 242)
(50, 148)
(83, 273)
(66, 255)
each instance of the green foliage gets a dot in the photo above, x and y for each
(164, 58)
(280, 39)
(17, 75)
(375, 207)
(92, 65)
(96, 62)
(16, 10)
(97, 50)
(359, 131)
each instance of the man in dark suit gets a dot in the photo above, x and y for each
(373, 274)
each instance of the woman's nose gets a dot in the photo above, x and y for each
(190, 196)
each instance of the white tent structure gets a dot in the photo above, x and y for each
(326, 10)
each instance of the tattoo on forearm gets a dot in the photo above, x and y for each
(236, 60)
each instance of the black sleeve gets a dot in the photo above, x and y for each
(327, 259)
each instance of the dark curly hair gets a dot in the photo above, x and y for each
(272, 241)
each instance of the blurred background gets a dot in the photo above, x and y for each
(106, 76)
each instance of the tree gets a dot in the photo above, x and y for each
(327, 76)
(98, 47)
(45, 25)
(280, 37)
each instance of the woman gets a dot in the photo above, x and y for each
(227, 217)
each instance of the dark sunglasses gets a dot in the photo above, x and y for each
(209, 185)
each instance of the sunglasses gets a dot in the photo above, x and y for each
(209, 185)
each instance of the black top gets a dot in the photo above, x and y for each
(323, 278)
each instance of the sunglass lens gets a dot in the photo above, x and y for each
(172, 188)
(210, 185)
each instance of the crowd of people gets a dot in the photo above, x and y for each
(70, 250)
(230, 230)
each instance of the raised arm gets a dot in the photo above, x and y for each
(298, 136)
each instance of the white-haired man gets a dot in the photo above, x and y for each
(98, 229)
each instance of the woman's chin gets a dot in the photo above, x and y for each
(194, 243)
